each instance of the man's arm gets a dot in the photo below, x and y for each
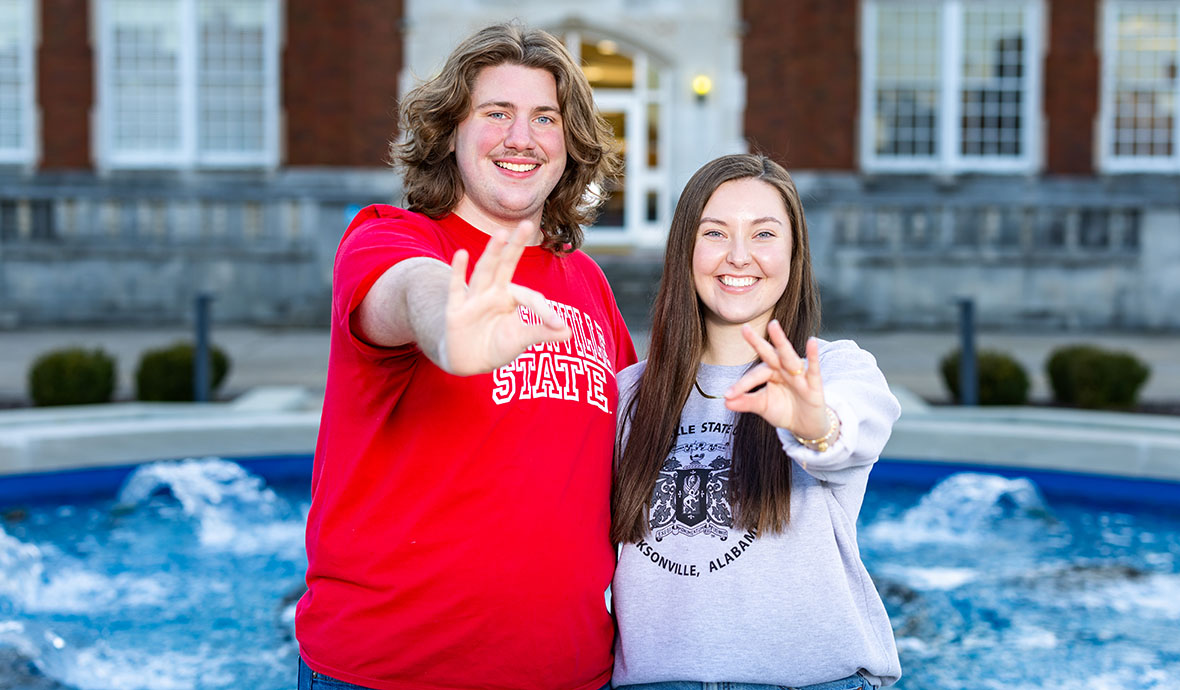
(464, 328)
(406, 305)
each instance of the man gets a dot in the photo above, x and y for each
(458, 532)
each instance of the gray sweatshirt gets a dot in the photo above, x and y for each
(699, 601)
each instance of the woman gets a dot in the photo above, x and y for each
(738, 481)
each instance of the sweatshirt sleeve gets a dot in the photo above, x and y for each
(856, 391)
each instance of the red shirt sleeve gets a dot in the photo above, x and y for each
(377, 239)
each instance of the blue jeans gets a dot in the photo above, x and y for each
(854, 682)
(311, 680)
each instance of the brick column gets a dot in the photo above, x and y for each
(65, 83)
(340, 65)
(1071, 87)
(802, 67)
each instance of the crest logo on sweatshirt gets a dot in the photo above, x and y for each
(691, 496)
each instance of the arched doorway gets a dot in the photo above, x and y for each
(632, 92)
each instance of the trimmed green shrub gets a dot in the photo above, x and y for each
(1091, 377)
(1002, 381)
(166, 374)
(72, 376)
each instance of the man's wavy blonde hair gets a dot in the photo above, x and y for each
(431, 112)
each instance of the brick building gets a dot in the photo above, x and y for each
(1025, 153)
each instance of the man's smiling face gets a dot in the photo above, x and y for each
(510, 148)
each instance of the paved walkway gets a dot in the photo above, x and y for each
(262, 357)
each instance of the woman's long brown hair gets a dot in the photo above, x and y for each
(760, 484)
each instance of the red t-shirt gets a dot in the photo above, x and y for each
(458, 533)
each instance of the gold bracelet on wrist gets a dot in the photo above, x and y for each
(821, 444)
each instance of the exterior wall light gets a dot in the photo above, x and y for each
(701, 86)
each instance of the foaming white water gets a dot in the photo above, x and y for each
(78, 590)
(40, 579)
(1152, 596)
(28, 583)
(234, 510)
(933, 578)
(14, 634)
(32, 641)
(913, 645)
(1032, 637)
(964, 508)
(103, 666)
(106, 664)
(1148, 679)
(22, 569)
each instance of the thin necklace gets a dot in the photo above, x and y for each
(696, 384)
(703, 393)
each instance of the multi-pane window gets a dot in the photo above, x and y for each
(907, 80)
(1141, 51)
(143, 76)
(993, 80)
(232, 76)
(16, 82)
(950, 85)
(189, 82)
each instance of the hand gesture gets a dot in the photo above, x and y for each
(483, 325)
(793, 395)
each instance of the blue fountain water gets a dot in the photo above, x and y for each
(187, 580)
(989, 585)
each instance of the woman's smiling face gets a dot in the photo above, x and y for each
(742, 257)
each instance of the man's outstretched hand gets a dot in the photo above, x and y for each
(484, 329)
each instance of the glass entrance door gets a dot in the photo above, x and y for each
(627, 90)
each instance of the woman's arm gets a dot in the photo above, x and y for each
(856, 391)
(834, 411)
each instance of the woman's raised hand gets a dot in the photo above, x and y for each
(484, 329)
(793, 395)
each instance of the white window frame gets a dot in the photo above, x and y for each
(27, 151)
(639, 179)
(948, 158)
(188, 154)
(1107, 160)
